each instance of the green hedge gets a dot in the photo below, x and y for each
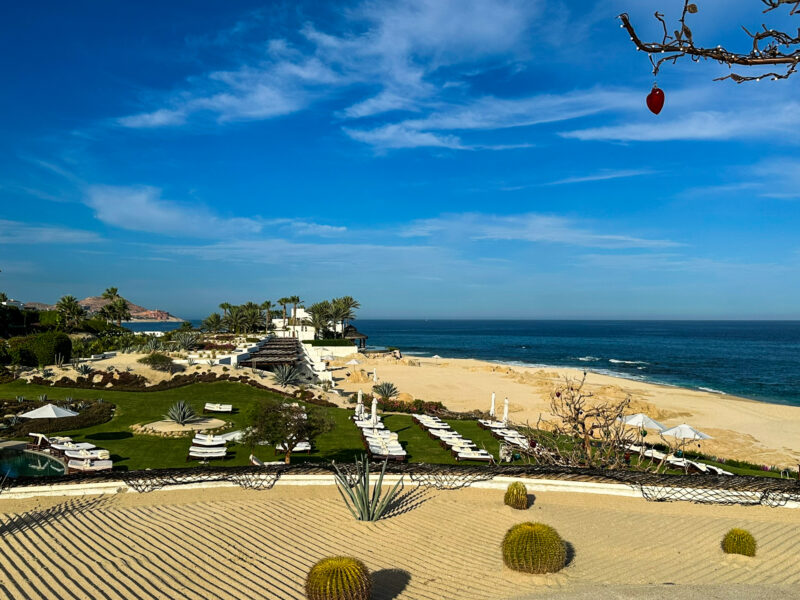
(40, 349)
(334, 342)
(159, 362)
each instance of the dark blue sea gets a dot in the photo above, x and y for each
(753, 359)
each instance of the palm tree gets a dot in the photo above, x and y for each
(234, 320)
(119, 310)
(69, 311)
(225, 307)
(252, 316)
(283, 302)
(320, 317)
(385, 390)
(295, 300)
(212, 323)
(266, 306)
(111, 293)
(350, 305)
(3, 297)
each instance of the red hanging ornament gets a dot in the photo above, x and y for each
(655, 99)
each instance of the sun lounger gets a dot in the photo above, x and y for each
(40, 440)
(217, 408)
(480, 455)
(72, 446)
(260, 463)
(232, 436)
(207, 440)
(85, 466)
(96, 454)
(298, 447)
(492, 424)
(369, 424)
(204, 453)
(717, 470)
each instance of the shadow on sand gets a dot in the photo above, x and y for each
(389, 583)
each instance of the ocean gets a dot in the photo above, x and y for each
(752, 359)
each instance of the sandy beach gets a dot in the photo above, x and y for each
(742, 429)
(233, 543)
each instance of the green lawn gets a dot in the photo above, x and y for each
(133, 452)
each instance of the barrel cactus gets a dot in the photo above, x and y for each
(517, 496)
(534, 548)
(338, 578)
(739, 541)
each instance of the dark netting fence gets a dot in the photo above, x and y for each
(711, 489)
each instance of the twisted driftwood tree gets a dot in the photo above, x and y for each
(770, 47)
(581, 432)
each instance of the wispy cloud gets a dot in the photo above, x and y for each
(16, 232)
(672, 262)
(528, 227)
(603, 176)
(780, 122)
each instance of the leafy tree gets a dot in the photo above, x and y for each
(111, 293)
(213, 323)
(281, 424)
(70, 312)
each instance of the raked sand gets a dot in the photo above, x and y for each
(233, 543)
(742, 429)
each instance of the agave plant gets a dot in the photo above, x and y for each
(355, 491)
(42, 398)
(185, 340)
(286, 375)
(191, 362)
(180, 412)
(153, 344)
(20, 399)
(83, 369)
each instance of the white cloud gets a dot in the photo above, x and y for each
(141, 208)
(672, 262)
(399, 136)
(528, 227)
(602, 176)
(781, 121)
(15, 232)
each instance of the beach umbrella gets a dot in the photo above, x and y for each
(360, 405)
(374, 410)
(375, 376)
(505, 410)
(642, 421)
(686, 432)
(491, 408)
(48, 411)
(436, 356)
(353, 362)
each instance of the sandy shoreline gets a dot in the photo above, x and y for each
(742, 429)
(441, 545)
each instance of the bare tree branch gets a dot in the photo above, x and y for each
(769, 46)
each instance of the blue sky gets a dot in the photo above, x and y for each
(454, 158)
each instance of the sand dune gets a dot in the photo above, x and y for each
(232, 543)
(742, 429)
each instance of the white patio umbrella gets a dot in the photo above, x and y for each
(505, 410)
(48, 411)
(491, 408)
(375, 376)
(642, 421)
(360, 405)
(436, 356)
(374, 416)
(352, 362)
(686, 432)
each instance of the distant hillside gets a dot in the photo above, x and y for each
(93, 304)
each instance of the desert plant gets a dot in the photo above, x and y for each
(42, 398)
(191, 362)
(180, 412)
(20, 399)
(83, 369)
(338, 578)
(59, 360)
(385, 390)
(739, 541)
(516, 496)
(355, 491)
(153, 344)
(534, 548)
(286, 375)
(157, 361)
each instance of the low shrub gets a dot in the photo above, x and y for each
(416, 407)
(534, 548)
(516, 496)
(157, 361)
(40, 349)
(93, 412)
(338, 578)
(739, 541)
(5, 355)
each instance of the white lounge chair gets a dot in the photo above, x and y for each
(96, 454)
(204, 453)
(480, 455)
(207, 440)
(298, 447)
(85, 466)
(217, 408)
(72, 446)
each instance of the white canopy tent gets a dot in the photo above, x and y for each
(48, 411)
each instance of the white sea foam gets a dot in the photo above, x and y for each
(588, 358)
(711, 390)
(627, 362)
